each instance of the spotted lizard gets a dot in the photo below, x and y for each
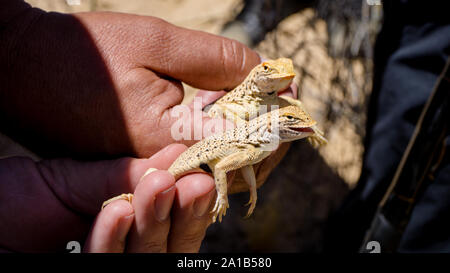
(241, 105)
(240, 148)
(259, 92)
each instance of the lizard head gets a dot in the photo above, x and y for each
(273, 75)
(294, 123)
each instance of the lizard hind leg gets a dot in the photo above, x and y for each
(125, 196)
(249, 177)
(318, 138)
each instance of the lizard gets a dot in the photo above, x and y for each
(240, 148)
(259, 92)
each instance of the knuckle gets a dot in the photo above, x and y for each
(192, 240)
(154, 246)
(233, 61)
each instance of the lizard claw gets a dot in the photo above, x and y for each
(220, 208)
(252, 203)
(125, 196)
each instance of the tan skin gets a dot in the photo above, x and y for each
(99, 86)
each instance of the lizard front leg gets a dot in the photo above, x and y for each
(248, 156)
(219, 111)
(318, 138)
(221, 205)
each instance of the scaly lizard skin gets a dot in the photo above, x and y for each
(240, 148)
(260, 89)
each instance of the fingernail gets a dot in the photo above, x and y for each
(149, 171)
(163, 203)
(202, 203)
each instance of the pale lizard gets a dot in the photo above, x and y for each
(260, 90)
(259, 93)
(245, 102)
(240, 148)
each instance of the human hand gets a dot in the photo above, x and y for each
(93, 84)
(45, 205)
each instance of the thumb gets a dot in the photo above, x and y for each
(200, 59)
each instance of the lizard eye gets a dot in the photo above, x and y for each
(289, 117)
(266, 67)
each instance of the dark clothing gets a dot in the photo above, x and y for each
(411, 52)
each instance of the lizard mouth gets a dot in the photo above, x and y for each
(289, 76)
(284, 76)
(302, 130)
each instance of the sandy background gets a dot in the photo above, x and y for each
(309, 184)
